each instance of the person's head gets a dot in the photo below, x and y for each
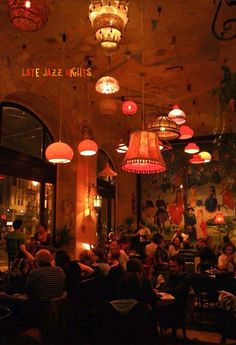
(99, 255)
(177, 242)
(190, 211)
(209, 241)
(202, 242)
(43, 257)
(114, 255)
(87, 257)
(226, 239)
(62, 258)
(176, 264)
(17, 224)
(156, 237)
(123, 242)
(134, 266)
(229, 249)
(42, 227)
(161, 243)
(112, 236)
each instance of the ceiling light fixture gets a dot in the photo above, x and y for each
(206, 156)
(196, 159)
(166, 128)
(108, 19)
(186, 132)
(177, 115)
(29, 15)
(107, 85)
(87, 147)
(191, 148)
(129, 108)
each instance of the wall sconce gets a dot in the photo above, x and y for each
(97, 203)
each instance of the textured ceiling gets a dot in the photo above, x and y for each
(182, 59)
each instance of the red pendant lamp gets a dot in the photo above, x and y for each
(59, 152)
(177, 115)
(129, 108)
(191, 148)
(196, 159)
(186, 132)
(28, 15)
(87, 147)
(107, 171)
(143, 155)
(122, 147)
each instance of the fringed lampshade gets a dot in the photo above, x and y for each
(165, 127)
(177, 115)
(87, 147)
(28, 15)
(107, 85)
(206, 156)
(191, 148)
(129, 108)
(59, 152)
(107, 172)
(196, 159)
(143, 155)
(186, 132)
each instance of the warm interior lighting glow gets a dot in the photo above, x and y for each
(129, 108)
(108, 19)
(122, 147)
(107, 172)
(143, 155)
(87, 147)
(177, 115)
(219, 218)
(59, 152)
(107, 85)
(35, 183)
(165, 127)
(28, 4)
(186, 132)
(206, 156)
(191, 148)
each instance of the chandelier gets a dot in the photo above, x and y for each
(143, 155)
(108, 19)
(28, 15)
(166, 128)
(107, 85)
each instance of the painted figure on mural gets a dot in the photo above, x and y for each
(67, 212)
(211, 202)
(190, 224)
(176, 209)
(201, 225)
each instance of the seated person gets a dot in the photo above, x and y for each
(227, 260)
(134, 285)
(206, 254)
(175, 246)
(161, 257)
(151, 247)
(18, 234)
(42, 235)
(100, 260)
(115, 273)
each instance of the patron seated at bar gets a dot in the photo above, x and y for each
(206, 254)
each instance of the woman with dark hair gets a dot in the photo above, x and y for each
(42, 235)
(227, 260)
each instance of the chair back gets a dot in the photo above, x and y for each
(13, 246)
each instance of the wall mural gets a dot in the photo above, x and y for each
(188, 196)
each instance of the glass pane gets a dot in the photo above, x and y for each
(49, 205)
(21, 131)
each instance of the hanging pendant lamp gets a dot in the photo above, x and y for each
(177, 115)
(143, 155)
(129, 108)
(122, 147)
(186, 132)
(196, 159)
(191, 148)
(107, 85)
(59, 152)
(87, 147)
(165, 127)
(206, 156)
(107, 172)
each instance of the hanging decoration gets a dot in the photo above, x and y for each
(107, 106)
(177, 115)
(186, 133)
(108, 19)
(107, 85)
(129, 108)
(122, 147)
(59, 152)
(166, 128)
(28, 15)
(191, 148)
(87, 147)
(107, 172)
(196, 159)
(206, 156)
(143, 155)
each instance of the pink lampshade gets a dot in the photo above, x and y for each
(143, 155)
(87, 147)
(191, 148)
(177, 115)
(186, 132)
(196, 159)
(59, 152)
(129, 108)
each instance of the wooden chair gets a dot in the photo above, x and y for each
(13, 246)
